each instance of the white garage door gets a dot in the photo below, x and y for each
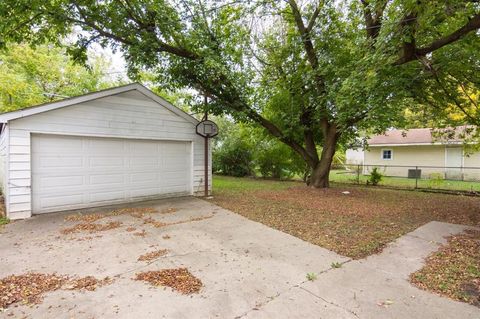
(70, 172)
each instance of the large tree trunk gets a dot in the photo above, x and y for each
(321, 172)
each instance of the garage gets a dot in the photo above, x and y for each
(115, 146)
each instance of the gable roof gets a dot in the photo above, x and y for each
(420, 136)
(8, 116)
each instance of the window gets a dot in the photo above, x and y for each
(387, 154)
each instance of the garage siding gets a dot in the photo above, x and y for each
(125, 115)
(4, 161)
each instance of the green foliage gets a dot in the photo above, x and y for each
(276, 160)
(336, 264)
(4, 220)
(232, 153)
(375, 177)
(31, 76)
(325, 81)
(311, 276)
(234, 158)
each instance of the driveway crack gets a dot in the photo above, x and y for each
(330, 302)
(271, 298)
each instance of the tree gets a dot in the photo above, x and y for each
(31, 76)
(310, 74)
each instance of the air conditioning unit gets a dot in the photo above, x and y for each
(414, 173)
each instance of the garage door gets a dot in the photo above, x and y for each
(76, 172)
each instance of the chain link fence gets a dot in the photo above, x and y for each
(441, 178)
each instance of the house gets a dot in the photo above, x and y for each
(113, 146)
(420, 152)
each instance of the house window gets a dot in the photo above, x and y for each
(387, 154)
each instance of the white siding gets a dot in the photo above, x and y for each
(4, 161)
(126, 115)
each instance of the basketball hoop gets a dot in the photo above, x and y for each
(207, 129)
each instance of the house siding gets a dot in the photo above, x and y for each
(125, 115)
(4, 138)
(420, 155)
(428, 155)
(471, 160)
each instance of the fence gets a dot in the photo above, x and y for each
(442, 178)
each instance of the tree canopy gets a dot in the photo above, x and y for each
(309, 72)
(31, 76)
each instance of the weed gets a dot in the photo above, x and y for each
(4, 221)
(336, 265)
(311, 276)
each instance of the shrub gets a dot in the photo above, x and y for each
(273, 159)
(234, 158)
(375, 177)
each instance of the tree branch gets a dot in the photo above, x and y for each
(162, 46)
(472, 25)
(314, 17)
(373, 22)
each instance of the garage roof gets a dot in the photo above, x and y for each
(8, 116)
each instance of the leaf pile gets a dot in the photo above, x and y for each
(169, 210)
(454, 270)
(28, 288)
(142, 233)
(89, 283)
(90, 227)
(159, 224)
(154, 222)
(87, 218)
(137, 212)
(153, 255)
(179, 279)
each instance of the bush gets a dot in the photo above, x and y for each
(234, 158)
(375, 177)
(276, 160)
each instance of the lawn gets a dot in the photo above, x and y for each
(356, 224)
(351, 177)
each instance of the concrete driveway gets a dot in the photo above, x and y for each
(248, 270)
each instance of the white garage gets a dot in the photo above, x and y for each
(114, 146)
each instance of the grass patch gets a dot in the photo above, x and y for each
(4, 221)
(454, 270)
(355, 225)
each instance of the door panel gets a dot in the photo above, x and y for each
(454, 162)
(70, 172)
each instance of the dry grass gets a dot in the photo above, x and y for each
(153, 255)
(454, 270)
(355, 225)
(179, 279)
